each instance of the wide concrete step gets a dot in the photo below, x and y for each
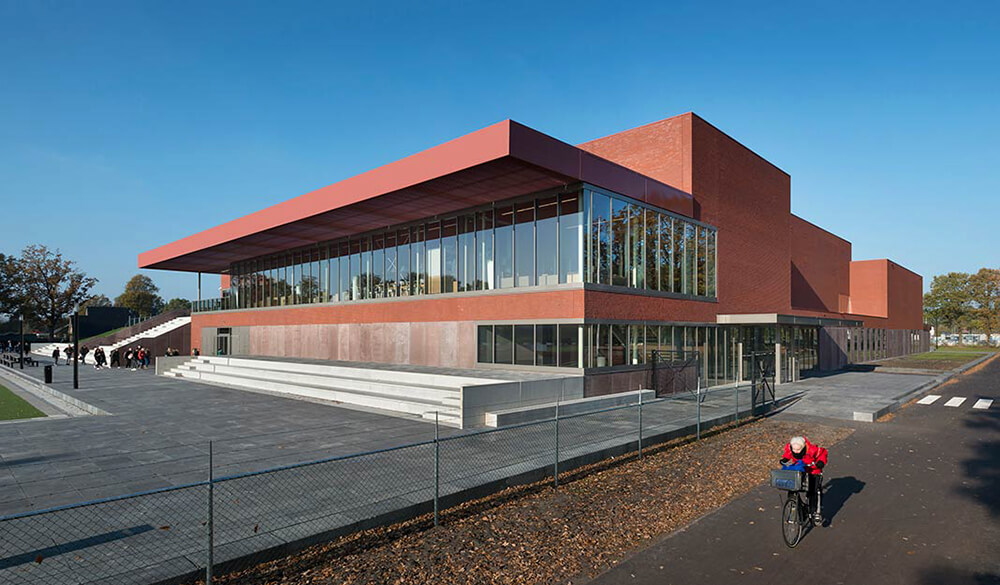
(399, 376)
(405, 404)
(445, 417)
(339, 382)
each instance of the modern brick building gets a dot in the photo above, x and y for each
(507, 248)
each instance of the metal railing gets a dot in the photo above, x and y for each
(233, 522)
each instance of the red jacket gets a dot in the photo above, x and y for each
(814, 453)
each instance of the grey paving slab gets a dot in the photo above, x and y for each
(157, 436)
(843, 394)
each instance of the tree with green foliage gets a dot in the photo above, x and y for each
(51, 287)
(141, 296)
(948, 304)
(96, 301)
(984, 294)
(10, 285)
(177, 303)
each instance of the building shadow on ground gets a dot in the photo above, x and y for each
(982, 470)
(836, 492)
(941, 575)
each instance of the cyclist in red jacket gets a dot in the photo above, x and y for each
(814, 458)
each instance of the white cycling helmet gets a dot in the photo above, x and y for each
(797, 443)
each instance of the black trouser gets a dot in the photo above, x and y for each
(815, 485)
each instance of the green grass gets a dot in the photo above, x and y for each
(105, 334)
(969, 349)
(941, 359)
(14, 407)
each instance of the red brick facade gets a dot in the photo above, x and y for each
(769, 261)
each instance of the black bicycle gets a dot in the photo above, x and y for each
(796, 514)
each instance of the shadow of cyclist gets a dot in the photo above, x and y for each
(836, 492)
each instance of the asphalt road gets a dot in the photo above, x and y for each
(915, 500)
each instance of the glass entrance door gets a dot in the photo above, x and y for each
(222, 341)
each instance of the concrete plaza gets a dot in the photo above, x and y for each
(157, 433)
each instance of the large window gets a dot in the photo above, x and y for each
(599, 250)
(585, 236)
(547, 241)
(619, 243)
(570, 238)
(503, 238)
(530, 345)
(524, 244)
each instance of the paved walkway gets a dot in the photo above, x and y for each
(914, 501)
(157, 436)
(843, 394)
(158, 433)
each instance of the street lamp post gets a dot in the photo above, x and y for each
(76, 350)
(20, 350)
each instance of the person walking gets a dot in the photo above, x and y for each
(83, 354)
(115, 358)
(55, 355)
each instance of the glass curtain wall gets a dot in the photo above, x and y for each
(600, 345)
(546, 240)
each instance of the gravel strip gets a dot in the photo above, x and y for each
(537, 535)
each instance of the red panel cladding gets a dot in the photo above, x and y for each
(906, 298)
(624, 306)
(548, 305)
(736, 190)
(821, 268)
(662, 148)
(869, 288)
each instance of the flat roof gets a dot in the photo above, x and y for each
(498, 162)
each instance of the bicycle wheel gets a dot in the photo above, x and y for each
(791, 521)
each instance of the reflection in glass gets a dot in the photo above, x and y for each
(404, 266)
(524, 244)
(619, 243)
(524, 345)
(484, 251)
(433, 247)
(504, 344)
(652, 249)
(570, 238)
(545, 345)
(600, 239)
(636, 258)
(504, 246)
(467, 253)
(619, 344)
(484, 352)
(547, 241)
(569, 346)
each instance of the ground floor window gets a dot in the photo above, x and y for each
(716, 348)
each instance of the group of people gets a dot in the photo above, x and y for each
(11, 346)
(137, 358)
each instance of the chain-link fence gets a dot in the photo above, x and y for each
(230, 523)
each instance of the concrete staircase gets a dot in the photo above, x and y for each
(411, 393)
(151, 333)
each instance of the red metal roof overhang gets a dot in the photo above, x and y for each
(498, 162)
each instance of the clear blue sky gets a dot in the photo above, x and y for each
(126, 125)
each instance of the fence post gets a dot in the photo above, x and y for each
(640, 422)
(211, 519)
(736, 395)
(437, 466)
(697, 397)
(555, 473)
